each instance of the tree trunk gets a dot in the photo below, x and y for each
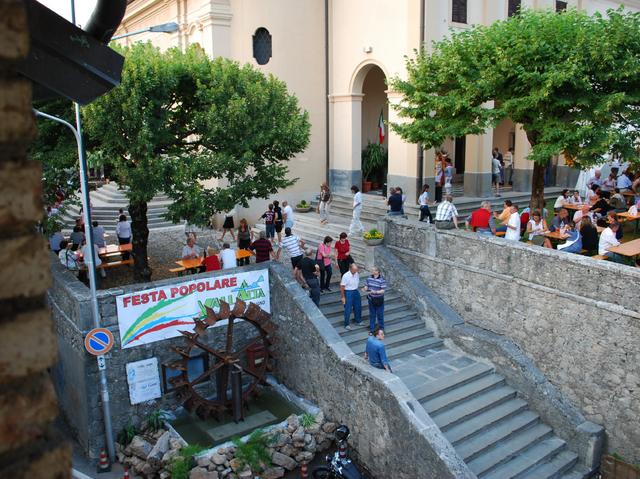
(537, 188)
(141, 269)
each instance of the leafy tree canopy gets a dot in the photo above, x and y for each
(571, 80)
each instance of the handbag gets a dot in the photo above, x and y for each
(350, 260)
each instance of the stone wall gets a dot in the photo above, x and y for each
(575, 317)
(391, 433)
(29, 447)
(76, 374)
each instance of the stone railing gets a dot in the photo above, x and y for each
(575, 317)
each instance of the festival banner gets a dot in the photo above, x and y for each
(161, 313)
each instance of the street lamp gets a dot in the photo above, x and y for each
(170, 27)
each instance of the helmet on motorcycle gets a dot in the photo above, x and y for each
(342, 432)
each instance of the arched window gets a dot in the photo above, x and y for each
(514, 7)
(459, 11)
(262, 46)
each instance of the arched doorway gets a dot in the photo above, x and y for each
(374, 129)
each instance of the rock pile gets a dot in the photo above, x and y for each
(289, 446)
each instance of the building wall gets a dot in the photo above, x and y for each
(585, 338)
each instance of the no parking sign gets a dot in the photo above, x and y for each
(98, 341)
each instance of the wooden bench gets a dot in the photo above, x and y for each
(180, 270)
(114, 264)
(600, 256)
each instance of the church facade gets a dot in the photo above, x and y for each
(336, 56)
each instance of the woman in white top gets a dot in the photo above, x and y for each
(536, 228)
(513, 225)
(562, 200)
(123, 232)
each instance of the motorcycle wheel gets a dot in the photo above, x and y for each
(322, 473)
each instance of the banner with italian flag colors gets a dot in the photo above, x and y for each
(381, 128)
(161, 313)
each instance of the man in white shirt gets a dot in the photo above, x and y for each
(98, 235)
(607, 240)
(228, 257)
(287, 215)
(191, 250)
(595, 179)
(356, 224)
(584, 212)
(513, 225)
(350, 296)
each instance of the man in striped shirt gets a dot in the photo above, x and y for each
(294, 246)
(375, 286)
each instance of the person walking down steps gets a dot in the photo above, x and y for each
(356, 224)
(350, 296)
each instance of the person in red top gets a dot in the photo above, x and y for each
(211, 261)
(343, 250)
(481, 220)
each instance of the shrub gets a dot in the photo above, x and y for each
(254, 452)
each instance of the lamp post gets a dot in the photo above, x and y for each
(170, 27)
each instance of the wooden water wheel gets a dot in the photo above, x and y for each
(233, 354)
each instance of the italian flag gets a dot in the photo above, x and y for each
(381, 128)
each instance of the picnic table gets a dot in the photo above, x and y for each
(108, 252)
(115, 249)
(630, 248)
(556, 235)
(627, 217)
(195, 263)
(572, 207)
(630, 195)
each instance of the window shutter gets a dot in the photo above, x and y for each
(459, 11)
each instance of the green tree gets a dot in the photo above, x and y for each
(572, 81)
(179, 119)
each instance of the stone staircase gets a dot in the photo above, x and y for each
(108, 199)
(488, 423)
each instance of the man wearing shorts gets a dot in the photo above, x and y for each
(269, 221)
(294, 246)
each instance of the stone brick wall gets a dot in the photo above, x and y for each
(28, 445)
(575, 317)
(76, 377)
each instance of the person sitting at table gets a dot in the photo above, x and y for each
(68, 258)
(582, 213)
(98, 235)
(601, 206)
(573, 244)
(617, 201)
(560, 220)
(513, 225)
(624, 181)
(191, 250)
(562, 200)
(55, 240)
(211, 260)
(612, 217)
(123, 232)
(76, 237)
(481, 220)
(608, 240)
(592, 194)
(575, 199)
(503, 217)
(536, 228)
(589, 235)
(228, 257)
(98, 261)
(609, 183)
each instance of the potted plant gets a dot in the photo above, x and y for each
(373, 237)
(303, 207)
(374, 157)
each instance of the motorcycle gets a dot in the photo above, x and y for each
(339, 466)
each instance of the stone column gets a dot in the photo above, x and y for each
(477, 169)
(346, 152)
(429, 171)
(216, 29)
(522, 168)
(403, 156)
(28, 345)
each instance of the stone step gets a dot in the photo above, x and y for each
(560, 464)
(393, 340)
(390, 320)
(399, 325)
(484, 421)
(415, 347)
(474, 447)
(452, 381)
(535, 455)
(463, 393)
(336, 308)
(499, 456)
(470, 409)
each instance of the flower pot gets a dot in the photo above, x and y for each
(303, 210)
(366, 186)
(373, 242)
